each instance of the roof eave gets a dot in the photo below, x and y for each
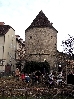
(11, 27)
(39, 27)
(54, 29)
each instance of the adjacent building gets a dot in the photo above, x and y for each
(7, 47)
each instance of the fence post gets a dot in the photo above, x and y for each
(2, 92)
(26, 95)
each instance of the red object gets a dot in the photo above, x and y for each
(22, 76)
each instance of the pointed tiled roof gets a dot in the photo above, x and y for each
(4, 29)
(41, 21)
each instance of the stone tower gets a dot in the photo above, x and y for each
(41, 40)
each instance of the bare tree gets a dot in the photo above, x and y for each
(68, 48)
(20, 52)
(20, 55)
(68, 45)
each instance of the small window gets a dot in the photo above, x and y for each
(4, 38)
(15, 55)
(3, 49)
(51, 37)
(30, 37)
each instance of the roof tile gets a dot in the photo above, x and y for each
(4, 29)
(41, 21)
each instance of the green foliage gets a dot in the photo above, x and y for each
(31, 66)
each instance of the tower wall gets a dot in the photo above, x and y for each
(41, 44)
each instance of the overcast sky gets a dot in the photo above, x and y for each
(20, 13)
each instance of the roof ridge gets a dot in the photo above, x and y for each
(41, 11)
(41, 21)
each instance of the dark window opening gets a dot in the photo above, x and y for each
(15, 55)
(30, 37)
(4, 38)
(70, 78)
(3, 49)
(51, 37)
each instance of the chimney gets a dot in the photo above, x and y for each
(21, 40)
(2, 23)
(17, 36)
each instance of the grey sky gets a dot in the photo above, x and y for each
(20, 13)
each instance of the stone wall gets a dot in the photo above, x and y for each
(41, 44)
